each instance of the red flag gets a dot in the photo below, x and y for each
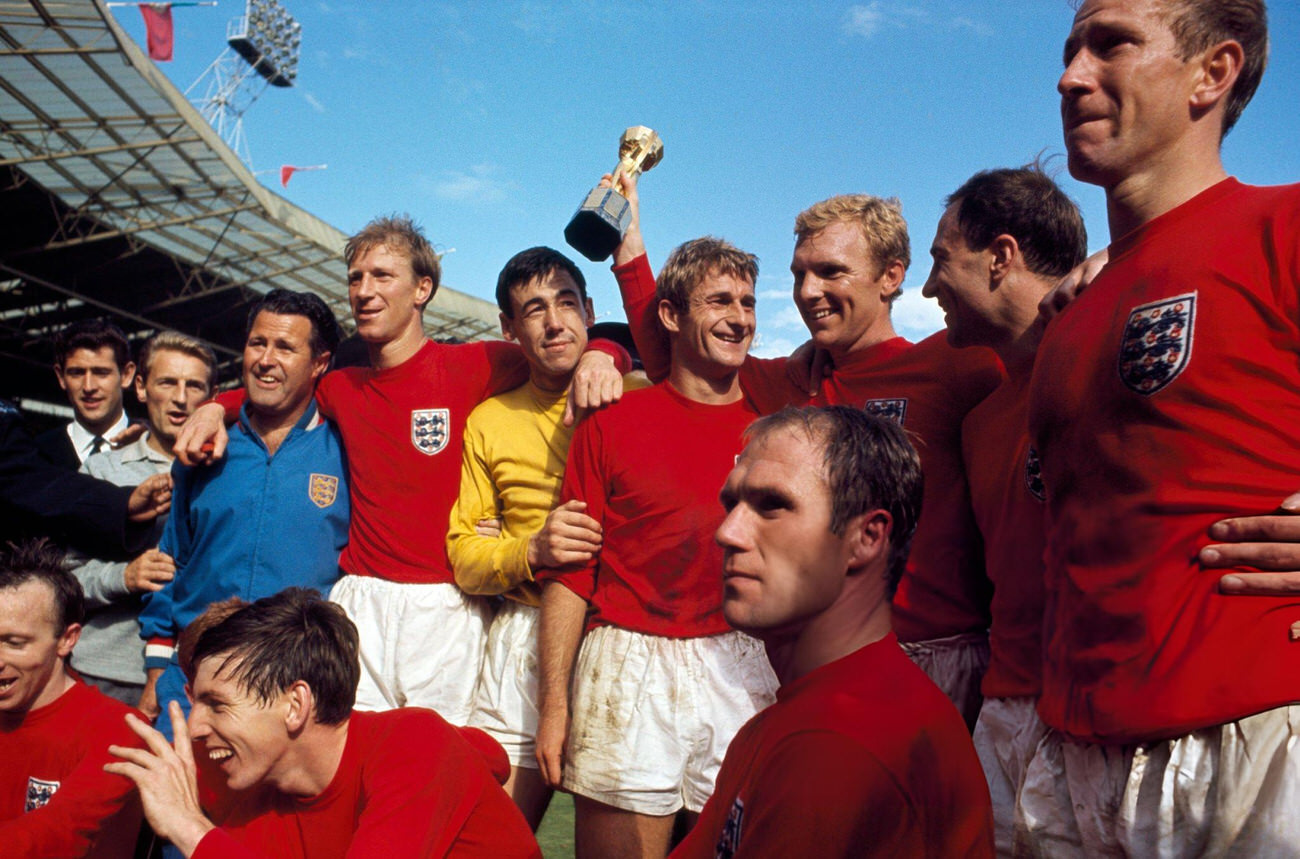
(158, 26)
(285, 172)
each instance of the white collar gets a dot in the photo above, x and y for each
(83, 440)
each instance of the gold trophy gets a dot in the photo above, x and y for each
(602, 219)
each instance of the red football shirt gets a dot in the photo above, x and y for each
(1006, 487)
(862, 757)
(1164, 398)
(650, 470)
(408, 784)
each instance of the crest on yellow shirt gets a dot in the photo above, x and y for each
(323, 489)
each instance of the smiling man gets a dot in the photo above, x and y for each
(175, 374)
(280, 764)
(511, 469)
(661, 683)
(1006, 238)
(274, 512)
(1164, 398)
(92, 361)
(55, 799)
(860, 755)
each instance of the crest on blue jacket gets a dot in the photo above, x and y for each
(39, 792)
(429, 430)
(1157, 343)
(893, 410)
(322, 489)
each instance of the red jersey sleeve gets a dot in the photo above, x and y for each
(636, 283)
(232, 401)
(767, 385)
(584, 480)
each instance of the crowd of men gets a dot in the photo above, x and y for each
(952, 598)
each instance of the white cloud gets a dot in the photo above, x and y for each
(314, 102)
(783, 317)
(773, 294)
(773, 347)
(979, 28)
(916, 317)
(478, 186)
(867, 20)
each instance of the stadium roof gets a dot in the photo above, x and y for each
(120, 200)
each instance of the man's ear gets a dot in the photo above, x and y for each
(300, 702)
(591, 311)
(319, 365)
(58, 374)
(869, 538)
(139, 387)
(128, 374)
(68, 640)
(669, 315)
(423, 291)
(891, 279)
(507, 327)
(1220, 67)
(1004, 251)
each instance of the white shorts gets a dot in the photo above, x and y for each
(653, 716)
(956, 664)
(1006, 737)
(421, 645)
(505, 703)
(1229, 790)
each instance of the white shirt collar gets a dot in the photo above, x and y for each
(83, 440)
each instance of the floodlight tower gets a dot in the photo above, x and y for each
(262, 48)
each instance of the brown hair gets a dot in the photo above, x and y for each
(693, 261)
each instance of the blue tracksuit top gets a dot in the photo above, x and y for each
(252, 524)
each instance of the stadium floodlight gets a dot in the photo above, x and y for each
(262, 49)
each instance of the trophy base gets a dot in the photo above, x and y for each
(599, 224)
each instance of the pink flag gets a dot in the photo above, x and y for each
(285, 172)
(158, 26)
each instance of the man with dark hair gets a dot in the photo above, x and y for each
(175, 373)
(280, 765)
(38, 497)
(850, 257)
(92, 361)
(422, 638)
(1164, 398)
(275, 512)
(861, 755)
(1005, 239)
(511, 469)
(55, 798)
(661, 684)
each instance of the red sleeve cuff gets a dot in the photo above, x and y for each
(622, 360)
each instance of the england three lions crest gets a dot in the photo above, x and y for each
(891, 410)
(1157, 343)
(429, 430)
(323, 489)
(39, 793)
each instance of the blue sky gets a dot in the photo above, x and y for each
(489, 121)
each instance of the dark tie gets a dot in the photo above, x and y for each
(97, 444)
